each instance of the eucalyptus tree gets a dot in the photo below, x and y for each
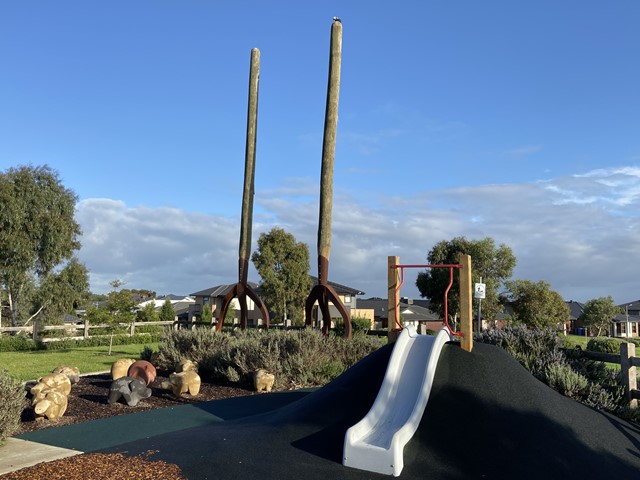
(493, 264)
(38, 231)
(283, 264)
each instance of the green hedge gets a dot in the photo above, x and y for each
(21, 343)
(609, 344)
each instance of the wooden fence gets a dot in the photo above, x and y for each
(35, 330)
(628, 363)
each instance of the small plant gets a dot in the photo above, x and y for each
(562, 378)
(11, 396)
(604, 345)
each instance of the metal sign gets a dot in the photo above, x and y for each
(479, 290)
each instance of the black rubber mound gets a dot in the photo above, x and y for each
(487, 418)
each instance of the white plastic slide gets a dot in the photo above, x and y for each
(376, 442)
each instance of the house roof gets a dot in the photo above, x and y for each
(220, 290)
(575, 309)
(624, 318)
(340, 289)
(173, 298)
(631, 305)
(409, 312)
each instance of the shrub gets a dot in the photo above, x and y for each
(11, 396)
(587, 381)
(21, 343)
(562, 378)
(535, 349)
(604, 345)
(18, 343)
(297, 358)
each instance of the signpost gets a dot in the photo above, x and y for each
(479, 293)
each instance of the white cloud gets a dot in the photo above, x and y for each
(584, 249)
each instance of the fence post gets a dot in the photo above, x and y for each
(34, 335)
(628, 372)
(466, 314)
(132, 329)
(86, 328)
(393, 308)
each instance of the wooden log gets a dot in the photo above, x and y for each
(466, 314)
(393, 304)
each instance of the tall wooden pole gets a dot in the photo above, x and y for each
(249, 167)
(242, 290)
(329, 150)
(466, 314)
(324, 293)
(393, 305)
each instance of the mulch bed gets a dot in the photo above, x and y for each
(88, 401)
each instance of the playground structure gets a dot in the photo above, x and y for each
(242, 289)
(395, 280)
(376, 443)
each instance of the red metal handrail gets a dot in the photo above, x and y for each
(398, 325)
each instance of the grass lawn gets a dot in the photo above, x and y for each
(25, 366)
(571, 341)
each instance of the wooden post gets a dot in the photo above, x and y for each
(466, 314)
(628, 372)
(34, 335)
(132, 329)
(86, 328)
(393, 306)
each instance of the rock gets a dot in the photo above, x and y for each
(53, 381)
(186, 365)
(51, 404)
(73, 373)
(142, 370)
(131, 389)
(120, 367)
(262, 380)
(183, 382)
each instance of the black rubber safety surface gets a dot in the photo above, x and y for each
(487, 418)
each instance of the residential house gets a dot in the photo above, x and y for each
(414, 312)
(627, 325)
(574, 325)
(180, 303)
(213, 297)
(349, 298)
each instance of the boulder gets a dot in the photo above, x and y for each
(183, 382)
(73, 373)
(186, 365)
(53, 381)
(142, 370)
(262, 380)
(120, 367)
(131, 389)
(51, 404)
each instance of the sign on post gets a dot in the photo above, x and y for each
(479, 290)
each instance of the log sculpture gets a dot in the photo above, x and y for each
(323, 293)
(242, 290)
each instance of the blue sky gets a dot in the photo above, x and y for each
(503, 119)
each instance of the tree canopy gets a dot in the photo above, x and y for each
(37, 228)
(535, 304)
(598, 313)
(493, 264)
(167, 312)
(283, 265)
